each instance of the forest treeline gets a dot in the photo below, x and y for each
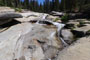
(48, 5)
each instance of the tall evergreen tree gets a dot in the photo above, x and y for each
(53, 5)
(56, 4)
(41, 8)
(26, 4)
(62, 5)
(47, 6)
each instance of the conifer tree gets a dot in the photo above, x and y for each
(41, 9)
(56, 4)
(26, 4)
(47, 6)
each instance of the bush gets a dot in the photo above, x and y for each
(82, 22)
(18, 9)
(56, 19)
(86, 10)
(65, 18)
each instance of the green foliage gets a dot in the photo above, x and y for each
(82, 22)
(48, 5)
(72, 28)
(1, 3)
(88, 19)
(88, 31)
(86, 8)
(65, 18)
(18, 9)
(56, 19)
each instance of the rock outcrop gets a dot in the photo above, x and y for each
(77, 51)
(39, 36)
(29, 41)
(6, 9)
(67, 35)
(6, 17)
(55, 13)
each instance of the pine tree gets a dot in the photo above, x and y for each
(53, 5)
(56, 4)
(36, 6)
(62, 5)
(26, 4)
(41, 9)
(2, 2)
(47, 6)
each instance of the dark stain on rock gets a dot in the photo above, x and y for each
(22, 58)
(11, 23)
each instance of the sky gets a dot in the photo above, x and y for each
(39, 1)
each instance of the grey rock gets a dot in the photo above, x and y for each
(67, 35)
(77, 51)
(51, 52)
(27, 41)
(72, 24)
(82, 31)
(78, 34)
(6, 9)
(5, 21)
(7, 15)
(57, 13)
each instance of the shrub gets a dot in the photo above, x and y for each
(56, 19)
(65, 18)
(18, 9)
(86, 10)
(81, 22)
(88, 31)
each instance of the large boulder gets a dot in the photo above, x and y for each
(53, 18)
(67, 35)
(7, 14)
(6, 9)
(72, 24)
(81, 32)
(27, 41)
(77, 51)
(55, 13)
(27, 19)
(28, 14)
(31, 16)
(6, 17)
